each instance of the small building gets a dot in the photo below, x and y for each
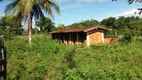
(85, 35)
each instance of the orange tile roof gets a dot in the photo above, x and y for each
(82, 29)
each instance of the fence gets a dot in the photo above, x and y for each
(2, 59)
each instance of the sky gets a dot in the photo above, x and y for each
(73, 11)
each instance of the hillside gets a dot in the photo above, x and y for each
(50, 60)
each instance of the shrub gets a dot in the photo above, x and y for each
(48, 59)
(126, 38)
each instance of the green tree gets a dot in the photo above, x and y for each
(120, 23)
(10, 21)
(60, 26)
(109, 22)
(9, 29)
(85, 23)
(45, 25)
(89, 22)
(28, 10)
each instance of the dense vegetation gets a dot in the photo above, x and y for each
(8, 29)
(34, 60)
(45, 25)
(47, 59)
(29, 10)
(121, 26)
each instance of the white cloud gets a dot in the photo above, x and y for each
(129, 13)
(90, 0)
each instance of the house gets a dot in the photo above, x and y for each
(86, 35)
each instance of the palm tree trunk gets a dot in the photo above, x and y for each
(30, 26)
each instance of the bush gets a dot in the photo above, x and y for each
(48, 59)
(34, 61)
(127, 38)
(10, 33)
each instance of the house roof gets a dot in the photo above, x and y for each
(82, 29)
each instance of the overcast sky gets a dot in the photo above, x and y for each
(76, 10)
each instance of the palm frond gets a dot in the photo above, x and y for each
(55, 6)
(37, 12)
(11, 6)
(48, 5)
(28, 6)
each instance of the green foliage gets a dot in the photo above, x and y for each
(107, 62)
(31, 9)
(35, 60)
(127, 38)
(119, 26)
(85, 23)
(45, 25)
(10, 33)
(8, 28)
(109, 22)
(47, 59)
(60, 26)
(122, 25)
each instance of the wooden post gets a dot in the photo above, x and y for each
(3, 60)
(88, 40)
(77, 37)
(70, 43)
(59, 37)
(64, 39)
(102, 36)
(4, 65)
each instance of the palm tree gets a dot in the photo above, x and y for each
(26, 10)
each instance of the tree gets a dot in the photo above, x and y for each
(28, 9)
(9, 29)
(45, 24)
(61, 26)
(109, 22)
(10, 21)
(89, 22)
(85, 23)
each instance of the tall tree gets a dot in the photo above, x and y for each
(109, 22)
(45, 24)
(61, 26)
(28, 10)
